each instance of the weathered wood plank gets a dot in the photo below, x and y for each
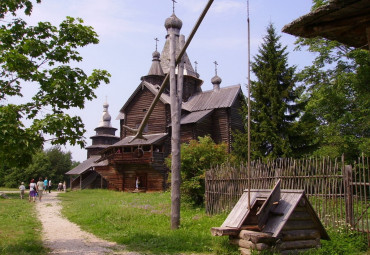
(270, 202)
(256, 237)
(219, 231)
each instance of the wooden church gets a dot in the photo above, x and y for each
(138, 165)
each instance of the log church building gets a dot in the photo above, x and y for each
(123, 164)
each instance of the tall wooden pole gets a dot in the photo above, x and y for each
(249, 110)
(176, 100)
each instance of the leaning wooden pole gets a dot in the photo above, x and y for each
(139, 131)
(249, 110)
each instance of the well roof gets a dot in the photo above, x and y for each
(342, 20)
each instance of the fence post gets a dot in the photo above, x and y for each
(347, 175)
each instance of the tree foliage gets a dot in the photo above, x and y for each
(338, 91)
(338, 96)
(52, 163)
(274, 102)
(197, 156)
(37, 58)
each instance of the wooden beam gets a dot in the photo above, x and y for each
(249, 245)
(219, 231)
(257, 237)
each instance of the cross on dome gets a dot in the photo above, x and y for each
(173, 7)
(156, 43)
(216, 64)
(196, 66)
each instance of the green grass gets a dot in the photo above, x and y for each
(8, 189)
(141, 222)
(20, 231)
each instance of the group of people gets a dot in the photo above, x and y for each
(39, 188)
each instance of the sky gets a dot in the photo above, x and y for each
(127, 29)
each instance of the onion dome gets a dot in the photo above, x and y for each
(173, 22)
(106, 118)
(216, 81)
(156, 55)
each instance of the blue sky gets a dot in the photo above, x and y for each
(127, 29)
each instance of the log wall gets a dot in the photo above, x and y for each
(115, 179)
(137, 109)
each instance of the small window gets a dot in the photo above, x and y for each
(126, 149)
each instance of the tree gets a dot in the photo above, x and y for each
(52, 163)
(273, 100)
(338, 91)
(196, 158)
(338, 96)
(38, 57)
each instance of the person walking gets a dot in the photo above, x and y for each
(49, 186)
(40, 188)
(33, 191)
(64, 186)
(46, 183)
(22, 188)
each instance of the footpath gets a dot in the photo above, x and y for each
(63, 237)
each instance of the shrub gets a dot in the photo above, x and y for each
(197, 156)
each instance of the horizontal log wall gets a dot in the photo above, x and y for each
(137, 109)
(112, 175)
(154, 180)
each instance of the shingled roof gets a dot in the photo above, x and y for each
(149, 139)
(207, 100)
(345, 21)
(84, 166)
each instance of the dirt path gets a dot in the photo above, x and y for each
(66, 238)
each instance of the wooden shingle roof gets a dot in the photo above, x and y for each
(149, 139)
(84, 166)
(211, 99)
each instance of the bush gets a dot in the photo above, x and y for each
(196, 157)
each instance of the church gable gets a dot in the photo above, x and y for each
(138, 107)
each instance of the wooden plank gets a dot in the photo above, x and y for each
(284, 210)
(271, 201)
(257, 237)
(224, 231)
(240, 211)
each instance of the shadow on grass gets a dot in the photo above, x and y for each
(168, 243)
(24, 247)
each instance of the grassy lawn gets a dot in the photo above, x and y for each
(141, 222)
(20, 231)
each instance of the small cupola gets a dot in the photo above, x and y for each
(106, 118)
(156, 68)
(216, 80)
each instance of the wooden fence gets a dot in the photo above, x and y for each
(339, 193)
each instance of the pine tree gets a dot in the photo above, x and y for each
(274, 108)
